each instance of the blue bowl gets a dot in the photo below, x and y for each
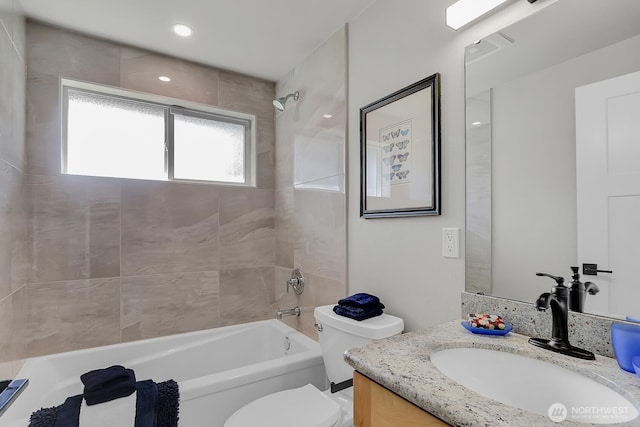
(626, 344)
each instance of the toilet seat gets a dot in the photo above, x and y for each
(305, 406)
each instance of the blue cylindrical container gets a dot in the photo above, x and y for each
(626, 344)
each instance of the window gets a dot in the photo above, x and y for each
(123, 134)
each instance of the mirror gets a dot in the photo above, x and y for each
(526, 91)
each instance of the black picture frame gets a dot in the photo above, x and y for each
(400, 152)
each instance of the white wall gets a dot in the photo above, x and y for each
(391, 45)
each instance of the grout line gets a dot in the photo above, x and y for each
(120, 323)
(10, 36)
(219, 250)
(13, 292)
(7, 297)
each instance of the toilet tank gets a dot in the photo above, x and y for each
(338, 334)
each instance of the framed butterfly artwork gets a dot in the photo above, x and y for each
(400, 152)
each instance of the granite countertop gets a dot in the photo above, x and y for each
(402, 364)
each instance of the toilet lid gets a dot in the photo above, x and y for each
(305, 406)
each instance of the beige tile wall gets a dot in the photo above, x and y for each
(310, 191)
(12, 170)
(114, 260)
(170, 303)
(57, 316)
(168, 227)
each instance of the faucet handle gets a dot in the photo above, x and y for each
(559, 280)
(296, 282)
(591, 288)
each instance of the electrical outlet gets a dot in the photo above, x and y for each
(451, 242)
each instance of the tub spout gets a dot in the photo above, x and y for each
(287, 312)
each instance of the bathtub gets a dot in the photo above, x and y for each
(218, 370)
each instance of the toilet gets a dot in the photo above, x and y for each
(307, 406)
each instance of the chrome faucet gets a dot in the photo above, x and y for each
(287, 312)
(558, 300)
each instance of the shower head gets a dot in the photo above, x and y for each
(282, 101)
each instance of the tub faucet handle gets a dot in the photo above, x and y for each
(296, 282)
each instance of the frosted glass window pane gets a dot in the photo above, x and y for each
(208, 150)
(115, 137)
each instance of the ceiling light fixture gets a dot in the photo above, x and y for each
(476, 123)
(164, 79)
(327, 116)
(182, 30)
(462, 12)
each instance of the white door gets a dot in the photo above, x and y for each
(608, 187)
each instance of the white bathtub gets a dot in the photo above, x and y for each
(218, 370)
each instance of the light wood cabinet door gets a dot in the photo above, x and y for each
(375, 406)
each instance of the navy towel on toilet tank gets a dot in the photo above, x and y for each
(359, 306)
(358, 313)
(361, 300)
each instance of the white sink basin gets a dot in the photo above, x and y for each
(534, 385)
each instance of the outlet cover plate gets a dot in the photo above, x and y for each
(451, 242)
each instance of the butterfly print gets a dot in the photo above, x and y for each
(402, 144)
(389, 160)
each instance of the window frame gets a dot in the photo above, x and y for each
(171, 107)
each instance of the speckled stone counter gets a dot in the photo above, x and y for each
(402, 364)
(587, 331)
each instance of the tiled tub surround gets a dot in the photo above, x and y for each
(586, 331)
(402, 364)
(13, 202)
(114, 260)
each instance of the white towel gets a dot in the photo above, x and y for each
(118, 412)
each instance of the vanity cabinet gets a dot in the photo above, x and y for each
(375, 406)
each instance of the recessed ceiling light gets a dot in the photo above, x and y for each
(182, 30)
(164, 79)
(476, 123)
(327, 116)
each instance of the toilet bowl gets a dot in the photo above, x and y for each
(307, 406)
